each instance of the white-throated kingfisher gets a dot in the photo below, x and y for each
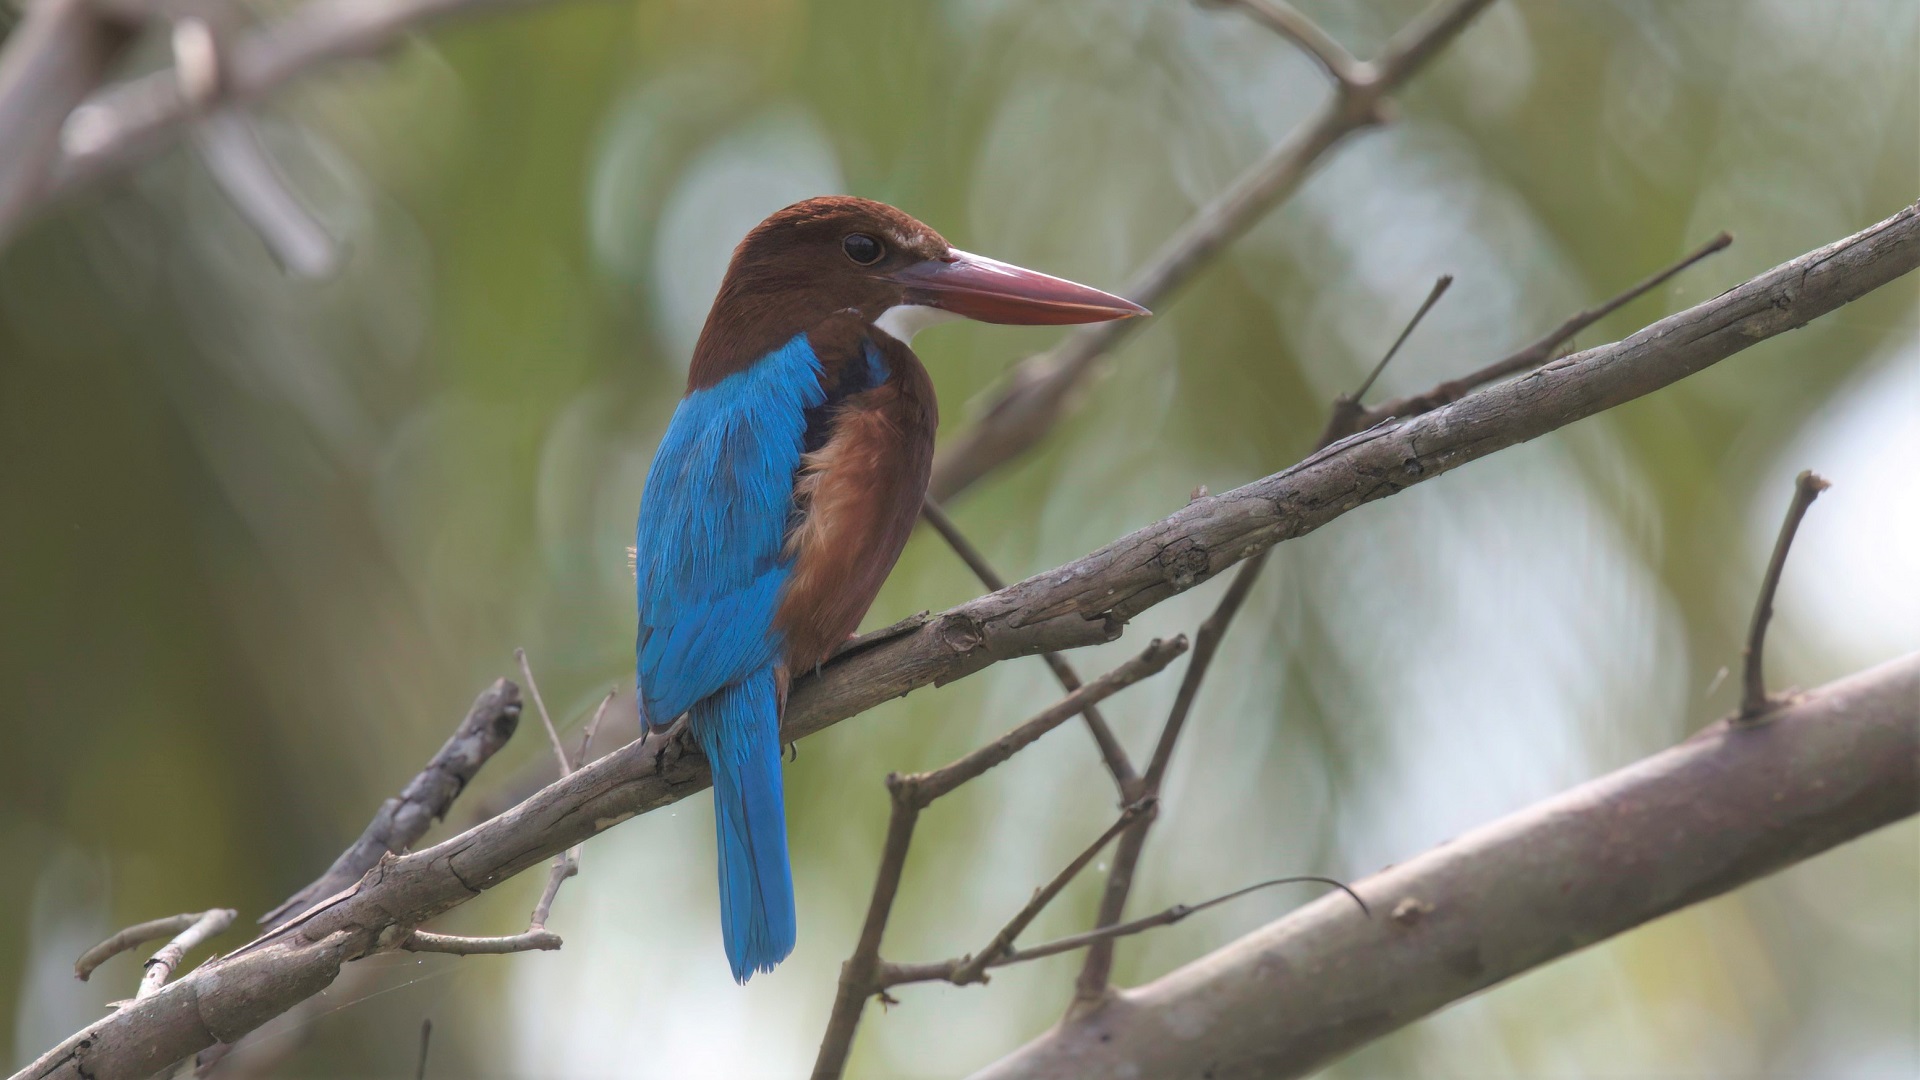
(784, 489)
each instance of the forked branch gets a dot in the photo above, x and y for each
(910, 794)
(206, 926)
(1125, 779)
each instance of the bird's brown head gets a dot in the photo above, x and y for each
(836, 254)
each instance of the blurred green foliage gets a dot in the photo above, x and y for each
(266, 537)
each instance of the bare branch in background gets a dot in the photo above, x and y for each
(134, 120)
(206, 926)
(402, 820)
(953, 971)
(229, 144)
(1286, 20)
(1125, 779)
(859, 976)
(1753, 698)
(1035, 394)
(1087, 601)
(196, 60)
(53, 59)
(1730, 805)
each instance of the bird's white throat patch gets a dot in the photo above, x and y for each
(902, 321)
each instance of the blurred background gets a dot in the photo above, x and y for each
(266, 537)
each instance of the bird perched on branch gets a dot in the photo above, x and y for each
(784, 489)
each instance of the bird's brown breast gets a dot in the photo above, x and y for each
(856, 500)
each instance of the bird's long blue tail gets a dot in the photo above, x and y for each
(738, 729)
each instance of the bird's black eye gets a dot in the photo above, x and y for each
(862, 249)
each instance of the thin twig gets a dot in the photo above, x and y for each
(1754, 699)
(426, 1040)
(457, 945)
(1118, 766)
(1097, 968)
(929, 786)
(131, 121)
(1348, 412)
(131, 938)
(1534, 354)
(973, 968)
(593, 727)
(895, 974)
(546, 720)
(196, 60)
(565, 865)
(206, 925)
(1440, 286)
(911, 794)
(1287, 21)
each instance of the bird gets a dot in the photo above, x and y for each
(783, 490)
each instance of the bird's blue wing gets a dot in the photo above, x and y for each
(713, 519)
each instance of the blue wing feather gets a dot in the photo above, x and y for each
(713, 519)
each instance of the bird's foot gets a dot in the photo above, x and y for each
(677, 741)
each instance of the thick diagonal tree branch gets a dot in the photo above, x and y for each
(1732, 804)
(1087, 601)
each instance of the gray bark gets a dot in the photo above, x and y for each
(1732, 804)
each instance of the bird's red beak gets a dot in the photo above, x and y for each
(988, 290)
